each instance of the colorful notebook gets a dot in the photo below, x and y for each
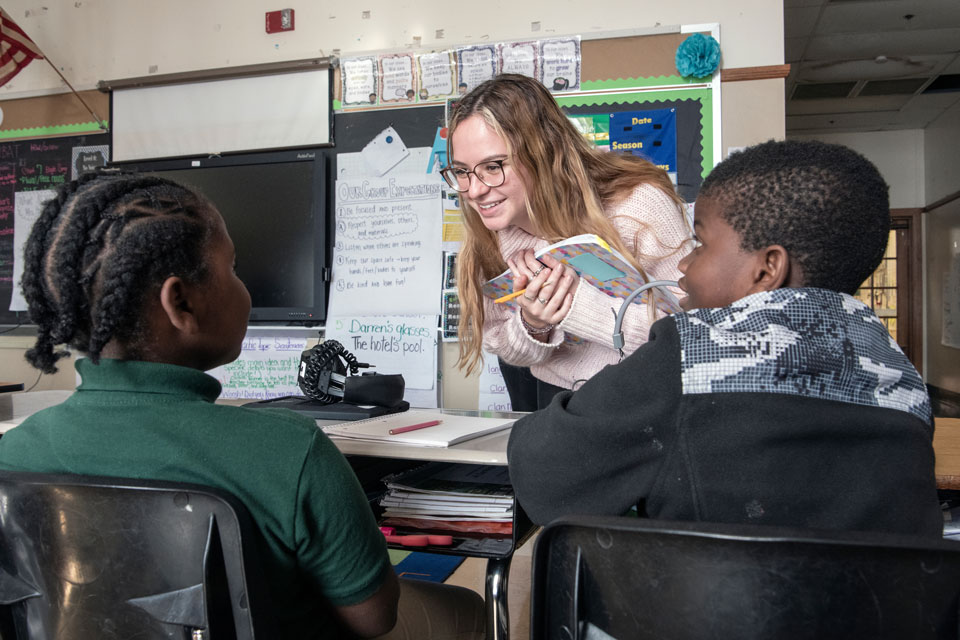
(599, 264)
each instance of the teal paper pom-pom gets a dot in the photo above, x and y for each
(698, 56)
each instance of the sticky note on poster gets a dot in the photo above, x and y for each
(393, 344)
(651, 134)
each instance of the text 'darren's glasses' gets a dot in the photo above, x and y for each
(489, 173)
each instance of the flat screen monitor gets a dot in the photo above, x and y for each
(274, 206)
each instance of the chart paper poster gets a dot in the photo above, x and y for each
(493, 390)
(475, 65)
(387, 250)
(393, 344)
(651, 134)
(397, 79)
(560, 64)
(27, 208)
(359, 82)
(267, 366)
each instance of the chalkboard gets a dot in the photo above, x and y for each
(31, 165)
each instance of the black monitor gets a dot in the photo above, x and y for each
(274, 206)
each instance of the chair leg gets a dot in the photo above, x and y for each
(498, 618)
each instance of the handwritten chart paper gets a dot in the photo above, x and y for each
(386, 256)
(27, 208)
(493, 391)
(267, 367)
(393, 344)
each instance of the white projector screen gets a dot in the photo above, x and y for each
(219, 116)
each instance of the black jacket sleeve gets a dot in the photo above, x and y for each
(598, 450)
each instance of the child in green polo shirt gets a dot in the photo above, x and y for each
(137, 272)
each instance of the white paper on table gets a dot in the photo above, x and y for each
(26, 209)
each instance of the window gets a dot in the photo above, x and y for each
(893, 291)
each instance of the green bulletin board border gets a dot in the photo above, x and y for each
(90, 128)
(702, 95)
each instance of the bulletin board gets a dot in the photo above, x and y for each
(33, 165)
(619, 73)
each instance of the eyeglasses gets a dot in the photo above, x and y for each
(489, 173)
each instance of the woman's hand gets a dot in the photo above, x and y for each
(550, 287)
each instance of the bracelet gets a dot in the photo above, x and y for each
(532, 330)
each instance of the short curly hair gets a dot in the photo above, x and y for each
(826, 204)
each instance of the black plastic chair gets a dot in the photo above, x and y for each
(100, 558)
(638, 578)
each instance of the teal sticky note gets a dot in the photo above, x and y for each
(588, 264)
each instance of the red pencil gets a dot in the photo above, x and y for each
(414, 427)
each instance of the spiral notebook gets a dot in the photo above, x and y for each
(451, 430)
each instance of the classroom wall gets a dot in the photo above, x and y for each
(111, 39)
(899, 155)
(941, 244)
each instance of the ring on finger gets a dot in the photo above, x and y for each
(542, 301)
(530, 298)
(537, 272)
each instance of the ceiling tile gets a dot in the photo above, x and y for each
(840, 70)
(847, 105)
(890, 43)
(799, 21)
(888, 15)
(793, 49)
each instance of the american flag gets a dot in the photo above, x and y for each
(16, 48)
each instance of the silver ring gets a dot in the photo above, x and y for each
(542, 301)
(529, 298)
(537, 272)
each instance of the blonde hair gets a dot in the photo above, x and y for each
(569, 186)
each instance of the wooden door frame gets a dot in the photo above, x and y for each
(910, 278)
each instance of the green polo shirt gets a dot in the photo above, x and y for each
(159, 421)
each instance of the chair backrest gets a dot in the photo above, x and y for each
(599, 578)
(92, 557)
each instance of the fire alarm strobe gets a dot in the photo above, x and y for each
(281, 20)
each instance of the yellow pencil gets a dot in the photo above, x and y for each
(509, 296)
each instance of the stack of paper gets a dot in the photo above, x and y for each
(443, 491)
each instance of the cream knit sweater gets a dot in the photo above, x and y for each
(593, 312)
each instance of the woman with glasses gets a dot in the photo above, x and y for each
(527, 179)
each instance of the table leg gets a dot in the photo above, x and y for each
(498, 618)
